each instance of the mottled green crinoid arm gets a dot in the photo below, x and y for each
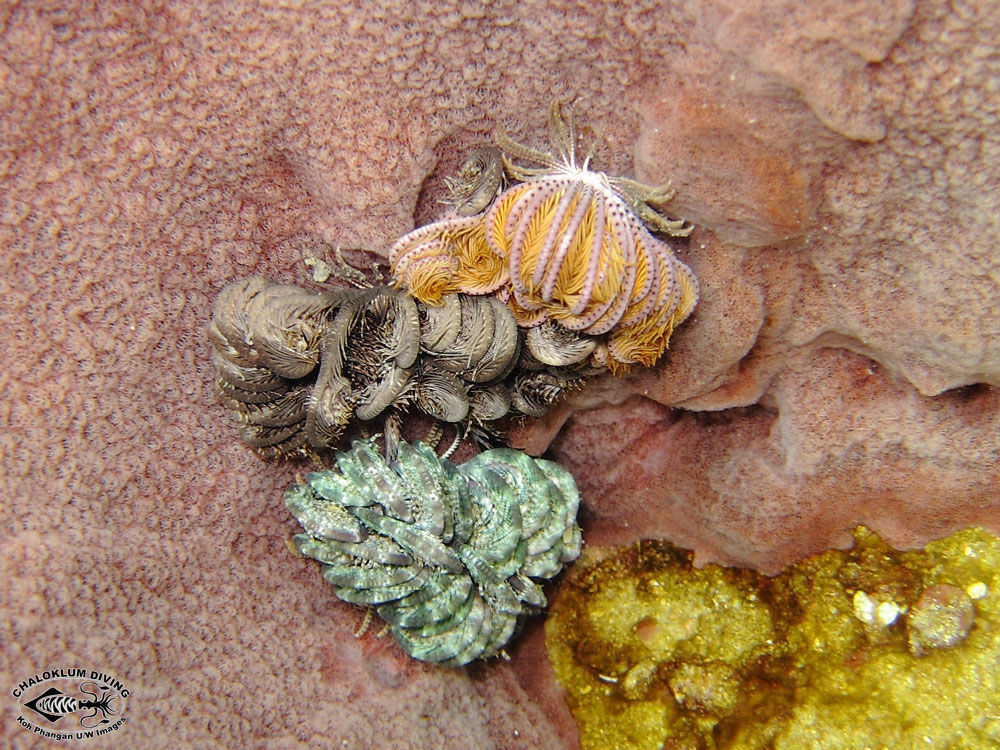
(321, 517)
(444, 640)
(375, 550)
(424, 473)
(442, 551)
(495, 497)
(549, 502)
(373, 476)
(379, 592)
(442, 595)
(544, 563)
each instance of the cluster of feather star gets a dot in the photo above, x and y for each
(446, 554)
(296, 368)
(562, 244)
(496, 310)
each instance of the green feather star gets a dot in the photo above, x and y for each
(446, 554)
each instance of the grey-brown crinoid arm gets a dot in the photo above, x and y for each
(562, 135)
(297, 369)
(477, 183)
(449, 556)
(267, 339)
(642, 199)
(512, 149)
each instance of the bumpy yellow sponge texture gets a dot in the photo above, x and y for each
(866, 648)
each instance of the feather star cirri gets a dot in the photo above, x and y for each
(564, 244)
(447, 555)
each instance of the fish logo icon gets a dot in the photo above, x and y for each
(54, 704)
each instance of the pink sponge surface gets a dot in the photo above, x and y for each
(840, 161)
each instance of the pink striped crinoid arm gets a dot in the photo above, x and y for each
(422, 263)
(445, 257)
(645, 341)
(569, 249)
(605, 268)
(479, 269)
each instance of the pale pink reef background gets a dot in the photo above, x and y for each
(839, 159)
